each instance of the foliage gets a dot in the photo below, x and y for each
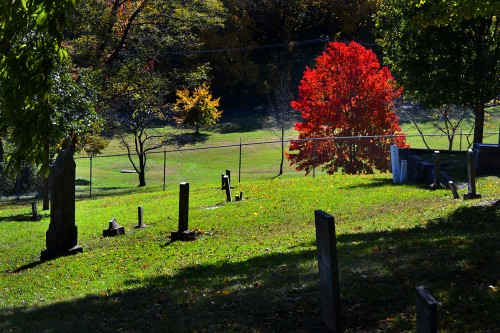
(197, 108)
(348, 94)
(442, 63)
(30, 37)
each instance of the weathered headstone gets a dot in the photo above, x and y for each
(395, 164)
(437, 171)
(328, 270)
(182, 232)
(114, 229)
(426, 311)
(471, 173)
(404, 171)
(227, 186)
(239, 197)
(34, 212)
(453, 189)
(62, 235)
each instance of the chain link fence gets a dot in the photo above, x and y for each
(202, 166)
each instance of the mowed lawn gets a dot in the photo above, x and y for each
(254, 266)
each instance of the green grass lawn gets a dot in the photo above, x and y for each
(254, 266)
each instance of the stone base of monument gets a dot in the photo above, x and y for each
(49, 254)
(471, 196)
(114, 229)
(187, 235)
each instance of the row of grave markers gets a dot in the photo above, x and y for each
(400, 173)
(330, 288)
(62, 235)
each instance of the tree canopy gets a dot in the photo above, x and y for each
(347, 94)
(445, 59)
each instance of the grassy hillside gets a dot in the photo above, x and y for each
(254, 266)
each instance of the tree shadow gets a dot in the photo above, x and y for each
(185, 139)
(28, 217)
(455, 257)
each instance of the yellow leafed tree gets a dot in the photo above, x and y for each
(198, 108)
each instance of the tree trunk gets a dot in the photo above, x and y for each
(1, 155)
(479, 123)
(282, 150)
(197, 129)
(46, 201)
(142, 170)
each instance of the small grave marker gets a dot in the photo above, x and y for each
(453, 189)
(404, 171)
(114, 229)
(140, 218)
(227, 185)
(34, 216)
(328, 270)
(426, 311)
(471, 173)
(437, 171)
(182, 232)
(395, 164)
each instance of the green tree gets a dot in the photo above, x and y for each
(30, 46)
(448, 59)
(197, 108)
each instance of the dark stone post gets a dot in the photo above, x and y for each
(183, 206)
(140, 217)
(437, 171)
(426, 311)
(227, 185)
(328, 270)
(182, 232)
(61, 237)
(471, 172)
(34, 216)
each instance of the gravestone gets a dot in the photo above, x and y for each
(453, 189)
(34, 212)
(140, 218)
(328, 270)
(471, 174)
(114, 229)
(404, 171)
(227, 186)
(395, 164)
(62, 235)
(426, 311)
(437, 171)
(182, 232)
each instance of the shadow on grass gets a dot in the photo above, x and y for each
(185, 139)
(455, 257)
(28, 217)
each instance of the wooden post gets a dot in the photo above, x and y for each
(328, 270)
(426, 311)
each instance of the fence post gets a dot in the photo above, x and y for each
(164, 168)
(460, 138)
(239, 166)
(314, 157)
(90, 182)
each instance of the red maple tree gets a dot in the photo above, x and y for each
(348, 98)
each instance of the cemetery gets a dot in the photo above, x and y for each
(246, 166)
(400, 257)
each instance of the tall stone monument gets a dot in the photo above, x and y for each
(61, 238)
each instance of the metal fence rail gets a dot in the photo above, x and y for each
(202, 166)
